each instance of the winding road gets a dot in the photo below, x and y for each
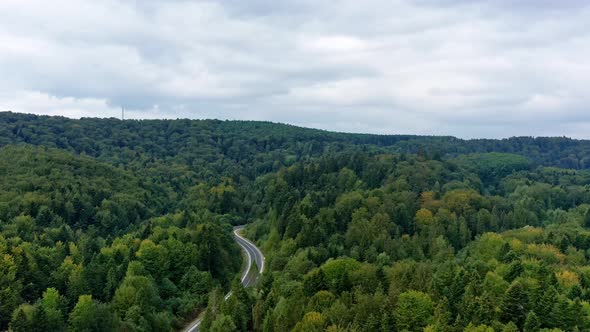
(249, 275)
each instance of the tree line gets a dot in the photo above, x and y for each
(126, 225)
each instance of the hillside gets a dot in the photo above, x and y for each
(109, 225)
(240, 143)
(77, 234)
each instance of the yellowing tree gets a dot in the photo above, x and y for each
(424, 218)
(311, 322)
(428, 200)
(567, 279)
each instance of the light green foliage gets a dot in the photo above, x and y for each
(9, 288)
(338, 273)
(478, 328)
(321, 301)
(52, 305)
(223, 323)
(311, 322)
(89, 315)
(510, 327)
(154, 258)
(413, 311)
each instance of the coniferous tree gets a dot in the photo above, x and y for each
(532, 322)
(20, 322)
(39, 321)
(514, 270)
(587, 219)
(514, 304)
(510, 327)
(545, 305)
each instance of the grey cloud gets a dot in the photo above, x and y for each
(453, 67)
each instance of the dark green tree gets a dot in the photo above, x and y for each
(532, 322)
(514, 305)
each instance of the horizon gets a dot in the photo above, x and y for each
(294, 125)
(453, 67)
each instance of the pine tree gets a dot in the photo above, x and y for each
(532, 323)
(576, 316)
(39, 320)
(504, 254)
(587, 219)
(564, 243)
(514, 271)
(575, 292)
(314, 281)
(373, 323)
(208, 319)
(514, 304)
(510, 327)
(413, 311)
(386, 325)
(559, 317)
(547, 297)
(269, 322)
(20, 322)
(442, 315)
(456, 291)
(486, 312)
(343, 283)
(223, 323)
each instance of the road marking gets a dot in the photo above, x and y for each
(247, 246)
(255, 248)
(247, 253)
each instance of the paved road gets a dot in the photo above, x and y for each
(249, 276)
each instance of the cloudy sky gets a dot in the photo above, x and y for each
(493, 68)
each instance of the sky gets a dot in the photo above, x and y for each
(467, 68)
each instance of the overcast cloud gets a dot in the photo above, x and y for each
(492, 68)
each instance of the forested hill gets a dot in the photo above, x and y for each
(110, 225)
(268, 145)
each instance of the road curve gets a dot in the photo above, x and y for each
(249, 276)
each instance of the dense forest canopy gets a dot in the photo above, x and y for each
(126, 225)
(195, 142)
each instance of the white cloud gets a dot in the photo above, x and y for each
(465, 68)
(42, 103)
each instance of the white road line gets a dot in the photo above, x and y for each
(195, 326)
(247, 253)
(255, 248)
(247, 246)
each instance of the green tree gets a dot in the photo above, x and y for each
(223, 323)
(532, 322)
(413, 311)
(314, 282)
(21, 321)
(510, 327)
(89, 315)
(514, 270)
(311, 322)
(514, 305)
(52, 305)
(587, 218)
(545, 305)
(154, 258)
(136, 291)
(9, 288)
(478, 328)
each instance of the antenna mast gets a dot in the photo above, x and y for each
(122, 113)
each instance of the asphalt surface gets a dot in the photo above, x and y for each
(252, 271)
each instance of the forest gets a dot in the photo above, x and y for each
(110, 225)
